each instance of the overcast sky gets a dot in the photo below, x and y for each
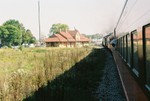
(88, 16)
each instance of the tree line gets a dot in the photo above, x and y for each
(56, 28)
(13, 33)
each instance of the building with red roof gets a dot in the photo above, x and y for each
(68, 38)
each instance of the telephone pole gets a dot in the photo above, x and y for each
(39, 22)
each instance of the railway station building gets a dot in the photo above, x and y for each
(68, 38)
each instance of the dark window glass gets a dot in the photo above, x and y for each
(122, 46)
(126, 48)
(129, 50)
(117, 47)
(135, 53)
(119, 44)
(147, 36)
(124, 55)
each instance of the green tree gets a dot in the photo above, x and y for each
(57, 27)
(32, 39)
(13, 22)
(17, 24)
(14, 33)
(13, 36)
(28, 37)
(9, 35)
(3, 35)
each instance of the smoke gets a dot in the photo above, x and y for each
(108, 26)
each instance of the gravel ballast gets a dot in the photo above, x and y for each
(110, 87)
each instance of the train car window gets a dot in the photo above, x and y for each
(105, 42)
(124, 47)
(129, 50)
(121, 46)
(118, 45)
(135, 53)
(147, 42)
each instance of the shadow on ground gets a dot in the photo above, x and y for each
(77, 84)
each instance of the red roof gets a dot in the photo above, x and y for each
(73, 33)
(53, 39)
(67, 36)
(83, 38)
(61, 38)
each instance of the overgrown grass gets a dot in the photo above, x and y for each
(79, 83)
(24, 72)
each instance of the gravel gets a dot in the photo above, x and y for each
(110, 88)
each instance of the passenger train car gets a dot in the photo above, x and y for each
(133, 40)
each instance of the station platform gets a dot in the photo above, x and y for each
(131, 88)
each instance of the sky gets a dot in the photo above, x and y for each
(88, 16)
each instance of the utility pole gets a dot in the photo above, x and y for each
(39, 22)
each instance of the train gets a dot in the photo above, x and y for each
(132, 35)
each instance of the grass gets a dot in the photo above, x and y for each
(24, 72)
(79, 83)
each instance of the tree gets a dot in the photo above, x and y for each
(32, 40)
(28, 37)
(13, 23)
(14, 33)
(10, 35)
(16, 24)
(3, 35)
(14, 36)
(57, 27)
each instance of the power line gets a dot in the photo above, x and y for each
(120, 17)
(128, 13)
(121, 13)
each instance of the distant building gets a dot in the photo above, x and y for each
(68, 38)
(96, 41)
